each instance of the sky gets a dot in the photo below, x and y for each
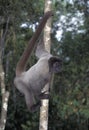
(73, 23)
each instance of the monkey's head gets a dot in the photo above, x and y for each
(55, 64)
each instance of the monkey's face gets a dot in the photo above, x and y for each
(55, 65)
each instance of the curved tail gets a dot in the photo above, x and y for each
(23, 60)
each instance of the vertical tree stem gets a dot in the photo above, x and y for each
(47, 41)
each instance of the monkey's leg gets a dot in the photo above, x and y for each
(37, 105)
(29, 97)
(31, 101)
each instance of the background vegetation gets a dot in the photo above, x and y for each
(69, 101)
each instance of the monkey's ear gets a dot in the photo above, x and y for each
(55, 64)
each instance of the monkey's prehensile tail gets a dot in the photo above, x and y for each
(23, 60)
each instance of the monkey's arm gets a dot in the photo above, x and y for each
(23, 60)
(40, 50)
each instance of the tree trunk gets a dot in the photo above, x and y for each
(47, 41)
(5, 97)
(4, 92)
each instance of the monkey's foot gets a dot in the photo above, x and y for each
(44, 96)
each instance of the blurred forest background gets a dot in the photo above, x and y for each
(69, 101)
